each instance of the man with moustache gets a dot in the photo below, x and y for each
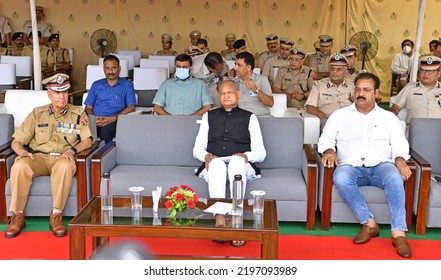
(368, 146)
(16, 48)
(295, 81)
(319, 62)
(272, 43)
(422, 99)
(230, 38)
(279, 61)
(109, 98)
(333, 92)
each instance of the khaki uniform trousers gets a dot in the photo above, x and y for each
(25, 169)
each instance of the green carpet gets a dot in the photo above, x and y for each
(297, 228)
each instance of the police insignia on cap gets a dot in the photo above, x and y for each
(337, 57)
(60, 79)
(429, 60)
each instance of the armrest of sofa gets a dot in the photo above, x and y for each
(81, 174)
(312, 128)
(7, 157)
(103, 160)
(5, 146)
(424, 172)
(309, 169)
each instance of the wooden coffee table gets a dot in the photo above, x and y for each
(90, 222)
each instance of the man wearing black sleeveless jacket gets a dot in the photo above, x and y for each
(229, 142)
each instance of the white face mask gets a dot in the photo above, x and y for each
(407, 49)
(182, 73)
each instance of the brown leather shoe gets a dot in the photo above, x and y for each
(402, 246)
(16, 224)
(56, 225)
(366, 233)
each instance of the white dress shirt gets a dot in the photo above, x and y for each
(364, 139)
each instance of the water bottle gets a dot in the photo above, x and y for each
(106, 192)
(237, 192)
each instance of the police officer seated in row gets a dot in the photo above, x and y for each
(16, 48)
(54, 134)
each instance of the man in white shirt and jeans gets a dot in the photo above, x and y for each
(371, 150)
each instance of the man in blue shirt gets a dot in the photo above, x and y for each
(183, 94)
(109, 98)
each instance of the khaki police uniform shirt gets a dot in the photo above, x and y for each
(226, 52)
(60, 55)
(287, 81)
(273, 65)
(231, 56)
(14, 51)
(420, 101)
(318, 62)
(352, 73)
(263, 57)
(166, 53)
(42, 26)
(328, 97)
(3, 51)
(45, 55)
(44, 130)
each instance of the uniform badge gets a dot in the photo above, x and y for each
(429, 61)
(85, 122)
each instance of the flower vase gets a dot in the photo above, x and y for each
(183, 218)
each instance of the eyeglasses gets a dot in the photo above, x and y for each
(226, 93)
(429, 71)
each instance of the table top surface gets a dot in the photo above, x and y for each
(123, 215)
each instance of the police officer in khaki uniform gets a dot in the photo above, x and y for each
(167, 43)
(54, 133)
(230, 38)
(239, 46)
(16, 48)
(295, 81)
(194, 35)
(47, 60)
(332, 93)
(320, 61)
(272, 43)
(422, 99)
(350, 52)
(60, 55)
(279, 61)
(42, 25)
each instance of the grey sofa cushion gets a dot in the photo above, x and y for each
(6, 127)
(425, 138)
(169, 142)
(283, 140)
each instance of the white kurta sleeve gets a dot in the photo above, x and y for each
(258, 152)
(200, 145)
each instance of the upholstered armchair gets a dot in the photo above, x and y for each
(334, 209)
(424, 139)
(40, 197)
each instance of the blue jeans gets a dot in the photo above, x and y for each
(349, 179)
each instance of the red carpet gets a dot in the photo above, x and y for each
(43, 245)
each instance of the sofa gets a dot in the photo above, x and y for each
(151, 151)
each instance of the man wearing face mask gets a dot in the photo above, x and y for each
(183, 94)
(402, 63)
(212, 69)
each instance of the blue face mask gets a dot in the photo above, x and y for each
(182, 73)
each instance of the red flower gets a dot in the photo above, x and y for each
(174, 188)
(184, 187)
(169, 193)
(195, 197)
(168, 204)
(179, 196)
(191, 204)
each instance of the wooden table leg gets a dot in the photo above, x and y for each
(77, 243)
(270, 246)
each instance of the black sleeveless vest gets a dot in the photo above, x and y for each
(228, 133)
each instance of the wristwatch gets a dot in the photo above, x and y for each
(257, 90)
(74, 150)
